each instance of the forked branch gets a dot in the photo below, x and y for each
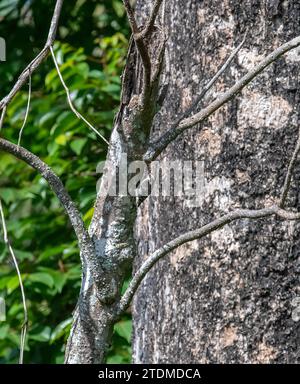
(142, 48)
(158, 146)
(140, 38)
(210, 84)
(56, 185)
(150, 24)
(197, 234)
(35, 63)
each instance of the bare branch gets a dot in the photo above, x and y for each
(157, 67)
(150, 25)
(142, 49)
(54, 23)
(76, 113)
(131, 17)
(193, 235)
(2, 117)
(158, 146)
(56, 185)
(289, 175)
(210, 84)
(27, 110)
(15, 261)
(35, 63)
(140, 38)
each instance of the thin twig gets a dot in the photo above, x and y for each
(11, 251)
(289, 175)
(159, 145)
(142, 49)
(131, 17)
(2, 117)
(55, 183)
(193, 235)
(150, 25)
(77, 114)
(27, 111)
(35, 63)
(160, 60)
(86, 245)
(211, 83)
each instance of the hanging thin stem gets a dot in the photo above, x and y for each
(27, 109)
(77, 114)
(11, 251)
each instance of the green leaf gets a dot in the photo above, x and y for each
(43, 278)
(124, 329)
(52, 251)
(40, 232)
(59, 278)
(77, 145)
(22, 255)
(4, 329)
(61, 139)
(62, 329)
(48, 118)
(115, 359)
(12, 284)
(8, 194)
(41, 334)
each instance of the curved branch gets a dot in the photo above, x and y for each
(193, 235)
(35, 63)
(55, 184)
(159, 145)
(15, 261)
(289, 175)
(27, 110)
(73, 109)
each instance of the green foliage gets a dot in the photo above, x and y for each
(90, 49)
(120, 353)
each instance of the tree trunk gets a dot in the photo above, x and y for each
(232, 296)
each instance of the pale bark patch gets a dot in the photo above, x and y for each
(242, 177)
(224, 238)
(211, 141)
(293, 56)
(266, 353)
(258, 110)
(229, 336)
(215, 188)
(179, 254)
(248, 59)
(186, 98)
(201, 16)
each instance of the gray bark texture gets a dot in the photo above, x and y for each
(229, 297)
(232, 296)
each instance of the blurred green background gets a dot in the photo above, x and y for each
(91, 47)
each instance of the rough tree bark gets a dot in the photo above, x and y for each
(233, 296)
(230, 297)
